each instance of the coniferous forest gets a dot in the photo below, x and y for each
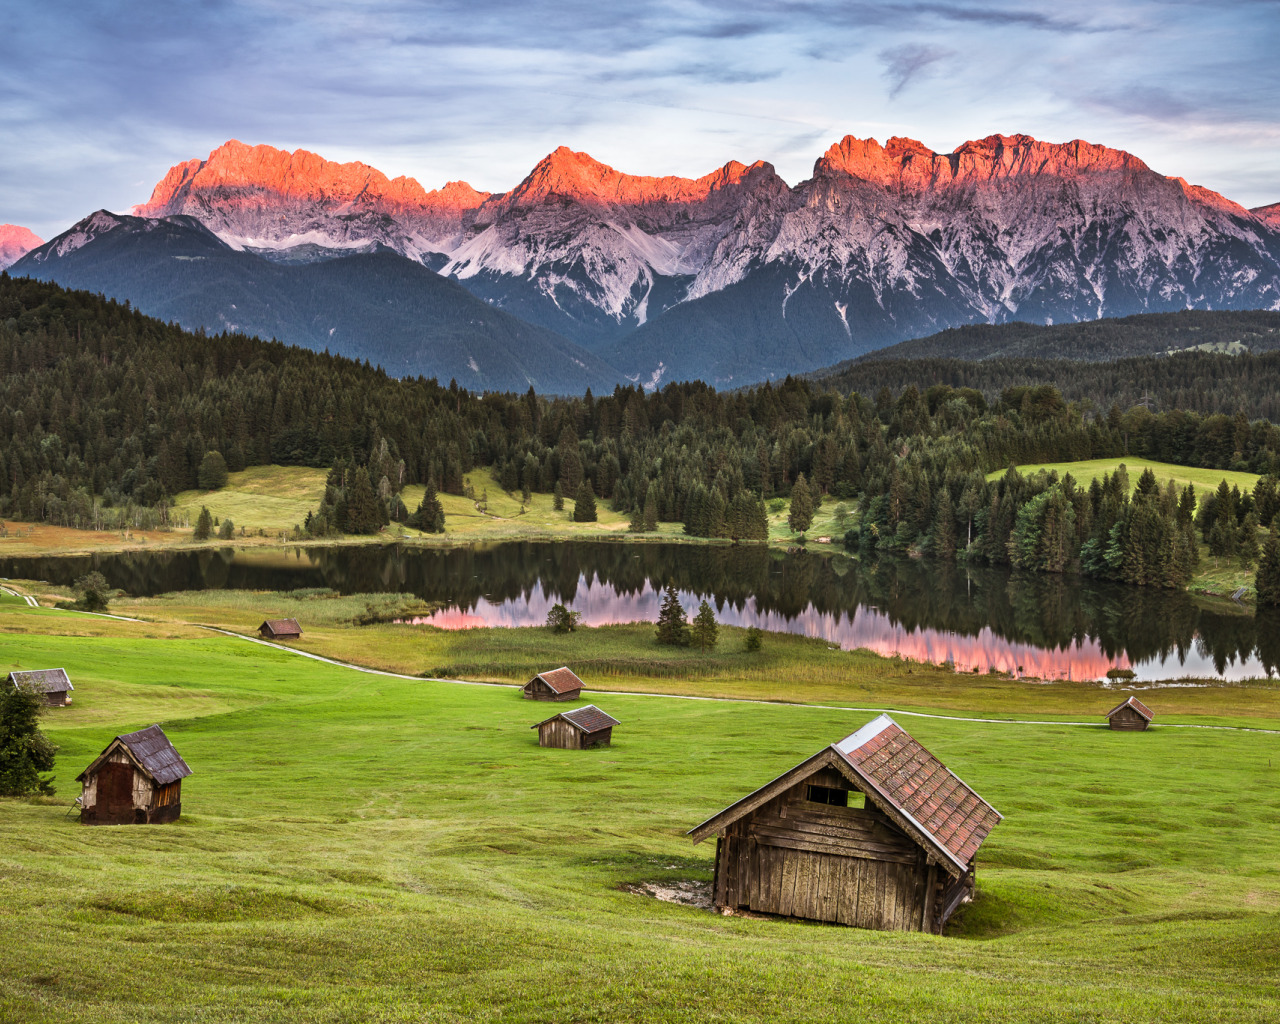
(105, 414)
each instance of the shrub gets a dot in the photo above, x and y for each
(561, 620)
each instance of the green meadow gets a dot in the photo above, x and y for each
(357, 847)
(1086, 471)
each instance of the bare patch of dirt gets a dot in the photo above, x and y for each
(686, 893)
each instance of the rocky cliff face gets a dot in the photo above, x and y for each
(16, 242)
(882, 243)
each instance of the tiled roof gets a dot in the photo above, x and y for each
(562, 680)
(589, 719)
(917, 784)
(282, 626)
(43, 680)
(1137, 706)
(151, 748)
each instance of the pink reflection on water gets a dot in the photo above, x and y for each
(601, 605)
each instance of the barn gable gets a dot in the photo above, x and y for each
(42, 680)
(1134, 704)
(913, 789)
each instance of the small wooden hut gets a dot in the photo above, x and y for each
(136, 780)
(1130, 716)
(280, 629)
(577, 729)
(558, 684)
(873, 831)
(52, 682)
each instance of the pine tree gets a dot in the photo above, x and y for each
(1266, 580)
(1247, 545)
(705, 631)
(363, 515)
(673, 627)
(801, 515)
(204, 525)
(650, 510)
(584, 506)
(755, 639)
(557, 497)
(25, 751)
(429, 518)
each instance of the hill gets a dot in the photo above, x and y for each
(377, 306)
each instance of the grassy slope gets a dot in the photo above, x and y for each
(1085, 471)
(361, 848)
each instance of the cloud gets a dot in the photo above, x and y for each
(903, 63)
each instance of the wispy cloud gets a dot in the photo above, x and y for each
(906, 62)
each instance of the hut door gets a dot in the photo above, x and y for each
(115, 791)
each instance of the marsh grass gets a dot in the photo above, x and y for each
(357, 848)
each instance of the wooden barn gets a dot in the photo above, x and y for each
(137, 780)
(280, 629)
(873, 831)
(1130, 716)
(52, 682)
(577, 729)
(558, 684)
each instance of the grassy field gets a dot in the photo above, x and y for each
(361, 848)
(1085, 472)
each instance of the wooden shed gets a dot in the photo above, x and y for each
(873, 831)
(1130, 716)
(280, 629)
(577, 729)
(558, 684)
(136, 780)
(52, 682)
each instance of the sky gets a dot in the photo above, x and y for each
(98, 98)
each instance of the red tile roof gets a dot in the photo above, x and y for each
(562, 680)
(1137, 706)
(921, 787)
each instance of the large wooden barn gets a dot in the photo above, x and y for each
(873, 831)
(577, 729)
(136, 780)
(280, 629)
(558, 684)
(51, 682)
(1130, 716)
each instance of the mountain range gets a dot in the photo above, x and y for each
(735, 276)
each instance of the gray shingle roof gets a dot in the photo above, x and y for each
(152, 750)
(43, 680)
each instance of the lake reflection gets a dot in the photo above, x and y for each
(977, 620)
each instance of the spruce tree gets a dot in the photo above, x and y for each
(25, 751)
(705, 631)
(557, 498)
(1267, 579)
(584, 506)
(204, 525)
(363, 514)
(673, 627)
(429, 518)
(1247, 545)
(650, 510)
(801, 515)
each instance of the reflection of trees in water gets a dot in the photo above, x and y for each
(1045, 610)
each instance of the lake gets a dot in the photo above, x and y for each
(1041, 626)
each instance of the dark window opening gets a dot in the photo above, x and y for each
(827, 795)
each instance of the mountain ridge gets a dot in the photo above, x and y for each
(15, 242)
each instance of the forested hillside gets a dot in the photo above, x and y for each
(102, 408)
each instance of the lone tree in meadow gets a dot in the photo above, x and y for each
(25, 751)
(801, 516)
(706, 633)
(584, 506)
(212, 474)
(94, 592)
(204, 525)
(755, 639)
(561, 620)
(673, 627)
(557, 497)
(430, 515)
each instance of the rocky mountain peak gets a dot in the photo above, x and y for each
(16, 242)
(1268, 214)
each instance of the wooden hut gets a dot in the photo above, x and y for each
(577, 729)
(280, 629)
(52, 682)
(558, 684)
(137, 779)
(873, 831)
(1130, 716)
